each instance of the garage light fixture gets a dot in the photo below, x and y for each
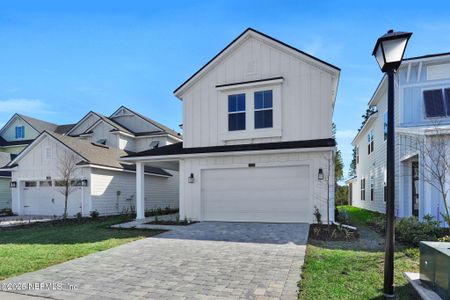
(320, 175)
(84, 182)
(191, 178)
(13, 184)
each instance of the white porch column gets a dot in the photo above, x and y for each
(140, 191)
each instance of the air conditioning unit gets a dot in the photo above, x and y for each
(435, 267)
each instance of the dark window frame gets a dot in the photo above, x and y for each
(236, 113)
(265, 108)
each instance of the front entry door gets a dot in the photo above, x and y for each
(415, 189)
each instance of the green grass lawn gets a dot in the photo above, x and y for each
(354, 270)
(38, 246)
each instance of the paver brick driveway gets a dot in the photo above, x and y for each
(201, 261)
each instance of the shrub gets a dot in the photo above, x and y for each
(94, 214)
(78, 216)
(317, 215)
(411, 231)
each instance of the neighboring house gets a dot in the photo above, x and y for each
(101, 182)
(422, 104)
(257, 142)
(18, 133)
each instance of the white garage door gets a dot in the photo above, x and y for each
(47, 201)
(257, 194)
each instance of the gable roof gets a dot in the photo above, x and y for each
(91, 153)
(62, 129)
(249, 31)
(162, 127)
(82, 120)
(39, 125)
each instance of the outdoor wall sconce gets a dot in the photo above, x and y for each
(13, 184)
(84, 182)
(320, 175)
(191, 178)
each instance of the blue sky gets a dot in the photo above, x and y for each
(60, 59)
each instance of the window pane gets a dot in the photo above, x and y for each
(241, 102)
(385, 126)
(268, 99)
(232, 103)
(259, 100)
(447, 100)
(236, 121)
(263, 118)
(263, 99)
(434, 104)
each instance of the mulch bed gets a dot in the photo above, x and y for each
(170, 222)
(333, 232)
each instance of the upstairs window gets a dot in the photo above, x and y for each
(385, 117)
(236, 112)
(263, 109)
(370, 142)
(20, 132)
(437, 103)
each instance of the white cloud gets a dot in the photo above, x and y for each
(23, 105)
(346, 134)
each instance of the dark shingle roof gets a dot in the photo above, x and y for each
(4, 142)
(177, 148)
(39, 125)
(98, 154)
(61, 129)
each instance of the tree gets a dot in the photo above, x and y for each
(67, 165)
(352, 169)
(338, 166)
(433, 149)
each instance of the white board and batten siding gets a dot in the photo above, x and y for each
(300, 118)
(83, 126)
(5, 193)
(114, 192)
(280, 188)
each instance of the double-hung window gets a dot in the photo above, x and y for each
(363, 189)
(372, 187)
(437, 103)
(263, 109)
(20, 132)
(236, 112)
(370, 142)
(385, 119)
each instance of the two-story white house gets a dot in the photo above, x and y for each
(422, 105)
(257, 142)
(100, 182)
(15, 135)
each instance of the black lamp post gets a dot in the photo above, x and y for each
(389, 51)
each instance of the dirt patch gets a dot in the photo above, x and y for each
(333, 232)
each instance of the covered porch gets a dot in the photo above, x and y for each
(141, 163)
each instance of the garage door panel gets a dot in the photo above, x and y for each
(264, 194)
(49, 201)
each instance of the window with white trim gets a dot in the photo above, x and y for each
(437, 103)
(30, 183)
(370, 142)
(363, 189)
(263, 109)
(20, 132)
(372, 187)
(236, 112)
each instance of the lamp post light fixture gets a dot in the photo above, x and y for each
(389, 51)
